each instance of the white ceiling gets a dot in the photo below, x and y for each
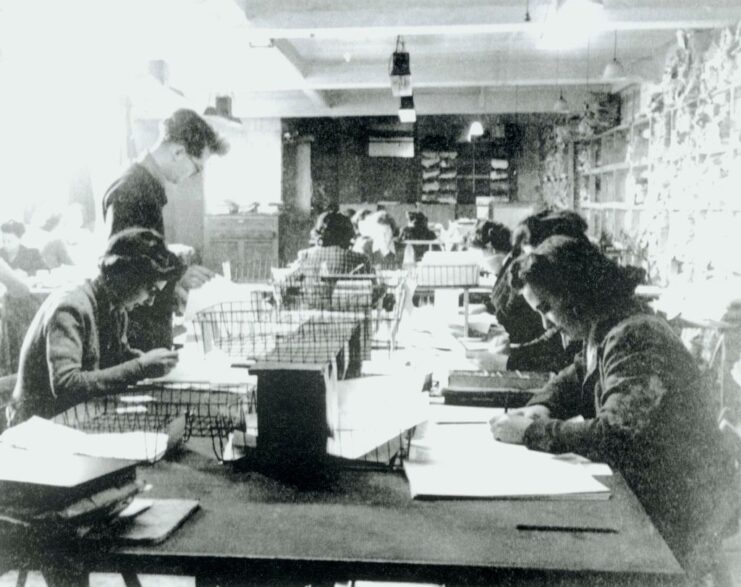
(330, 57)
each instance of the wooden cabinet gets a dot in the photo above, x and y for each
(248, 241)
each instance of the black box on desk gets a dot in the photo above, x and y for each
(498, 389)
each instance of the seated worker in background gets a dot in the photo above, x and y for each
(68, 242)
(417, 230)
(19, 303)
(331, 255)
(375, 239)
(76, 346)
(538, 348)
(137, 198)
(646, 410)
(16, 255)
(493, 239)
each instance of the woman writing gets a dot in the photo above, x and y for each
(646, 410)
(76, 346)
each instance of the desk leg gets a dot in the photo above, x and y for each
(465, 312)
(130, 579)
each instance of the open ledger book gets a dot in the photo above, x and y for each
(458, 461)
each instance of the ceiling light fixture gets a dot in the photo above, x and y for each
(406, 109)
(561, 105)
(400, 71)
(475, 130)
(614, 70)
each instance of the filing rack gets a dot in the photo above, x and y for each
(303, 325)
(209, 410)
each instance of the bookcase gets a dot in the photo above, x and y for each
(484, 171)
(664, 183)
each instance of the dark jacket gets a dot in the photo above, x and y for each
(649, 415)
(75, 349)
(136, 199)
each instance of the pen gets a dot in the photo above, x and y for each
(539, 528)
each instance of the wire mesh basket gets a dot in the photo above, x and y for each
(179, 410)
(311, 321)
(446, 275)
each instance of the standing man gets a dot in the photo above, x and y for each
(137, 198)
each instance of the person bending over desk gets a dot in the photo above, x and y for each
(535, 347)
(647, 411)
(76, 346)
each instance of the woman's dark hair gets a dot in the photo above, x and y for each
(333, 229)
(13, 227)
(417, 218)
(359, 216)
(534, 229)
(575, 271)
(185, 127)
(135, 258)
(495, 234)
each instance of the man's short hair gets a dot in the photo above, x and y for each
(185, 127)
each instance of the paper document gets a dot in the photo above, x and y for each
(464, 461)
(374, 409)
(38, 433)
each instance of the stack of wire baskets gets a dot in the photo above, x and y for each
(308, 321)
(180, 410)
(303, 323)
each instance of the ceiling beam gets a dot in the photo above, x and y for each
(317, 98)
(383, 32)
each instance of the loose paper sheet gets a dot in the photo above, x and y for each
(38, 433)
(464, 461)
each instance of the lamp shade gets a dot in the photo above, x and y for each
(406, 110)
(400, 74)
(476, 129)
(613, 70)
(561, 105)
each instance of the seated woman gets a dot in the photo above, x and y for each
(417, 230)
(528, 345)
(16, 255)
(19, 304)
(375, 238)
(331, 255)
(646, 411)
(493, 240)
(76, 347)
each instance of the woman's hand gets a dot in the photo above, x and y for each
(158, 362)
(510, 428)
(531, 412)
(499, 344)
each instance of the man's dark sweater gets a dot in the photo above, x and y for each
(136, 199)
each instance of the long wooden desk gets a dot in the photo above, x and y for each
(363, 525)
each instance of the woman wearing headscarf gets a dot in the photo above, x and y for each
(76, 347)
(646, 409)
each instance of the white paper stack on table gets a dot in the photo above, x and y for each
(40, 434)
(462, 461)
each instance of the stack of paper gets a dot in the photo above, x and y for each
(40, 434)
(465, 461)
